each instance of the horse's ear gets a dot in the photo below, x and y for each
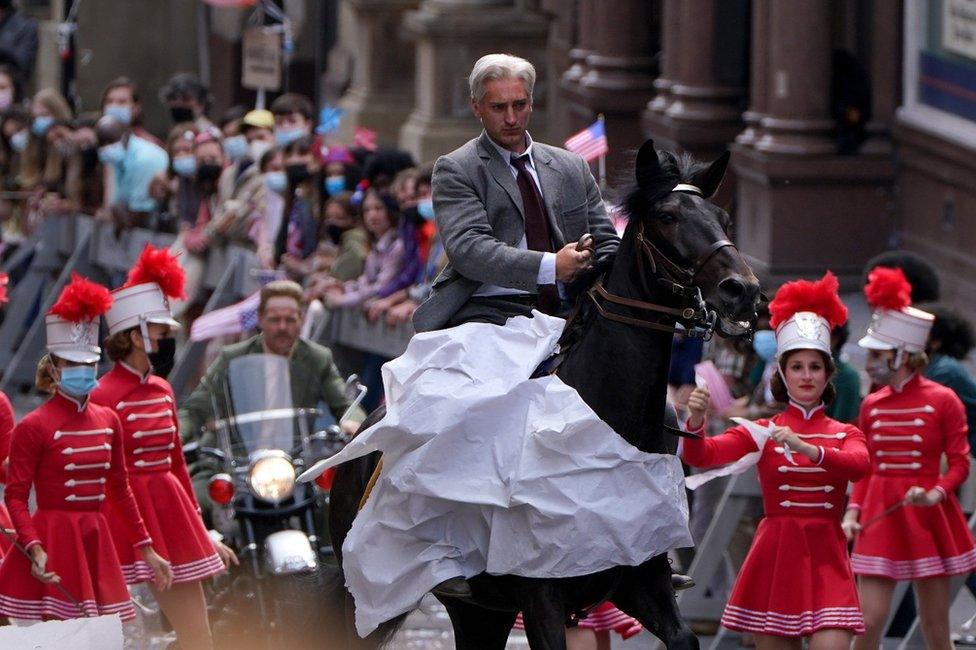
(709, 179)
(648, 167)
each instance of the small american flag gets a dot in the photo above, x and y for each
(591, 142)
(364, 138)
(236, 318)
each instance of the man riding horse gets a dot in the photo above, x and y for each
(485, 469)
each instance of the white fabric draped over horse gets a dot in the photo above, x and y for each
(487, 469)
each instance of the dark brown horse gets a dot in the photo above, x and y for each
(674, 264)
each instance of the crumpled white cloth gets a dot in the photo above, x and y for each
(760, 435)
(485, 469)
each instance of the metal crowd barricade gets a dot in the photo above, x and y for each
(61, 245)
(228, 276)
(351, 329)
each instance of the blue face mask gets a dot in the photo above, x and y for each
(285, 137)
(426, 209)
(19, 140)
(120, 113)
(41, 124)
(764, 343)
(235, 147)
(185, 166)
(112, 154)
(276, 181)
(335, 185)
(78, 381)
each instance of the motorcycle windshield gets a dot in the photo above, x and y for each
(260, 401)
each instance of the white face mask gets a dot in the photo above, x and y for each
(257, 148)
(880, 371)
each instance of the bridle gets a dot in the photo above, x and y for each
(697, 320)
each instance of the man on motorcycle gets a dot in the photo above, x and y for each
(315, 380)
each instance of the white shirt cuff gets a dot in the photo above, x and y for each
(547, 269)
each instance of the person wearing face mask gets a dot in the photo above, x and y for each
(142, 347)
(196, 230)
(121, 100)
(294, 118)
(804, 461)
(904, 518)
(298, 236)
(70, 451)
(187, 99)
(41, 163)
(133, 163)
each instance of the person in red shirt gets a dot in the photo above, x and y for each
(904, 517)
(140, 343)
(70, 451)
(796, 580)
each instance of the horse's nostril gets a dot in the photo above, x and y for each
(732, 288)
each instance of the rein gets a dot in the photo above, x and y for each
(695, 314)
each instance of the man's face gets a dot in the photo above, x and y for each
(122, 96)
(259, 133)
(504, 111)
(281, 322)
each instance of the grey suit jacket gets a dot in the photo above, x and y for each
(480, 218)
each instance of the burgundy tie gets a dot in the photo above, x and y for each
(537, 234)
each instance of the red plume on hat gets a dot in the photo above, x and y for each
(819, 297)
(160, 266)
(82, 300)
(888, 288)
(4, 281)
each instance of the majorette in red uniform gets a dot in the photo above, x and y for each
(796, 579)
(603, 618)
(909, 428)
(6, 426)
(70, 451)
(154, 457)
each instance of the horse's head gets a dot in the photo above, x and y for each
(685, 237)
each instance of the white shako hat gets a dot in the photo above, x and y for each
(153, 281)
(72, 323)
(804, 313)
(895, 324)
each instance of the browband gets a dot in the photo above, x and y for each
(685, 187)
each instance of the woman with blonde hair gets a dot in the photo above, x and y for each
(42, 164)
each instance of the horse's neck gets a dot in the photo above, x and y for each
(620, 370)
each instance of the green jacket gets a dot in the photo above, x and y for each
(351, 259)
(847, 404)
(314, 380)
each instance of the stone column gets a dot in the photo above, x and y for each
(702, 110)
(380, 95)
(450, 36)
(885, 62)
(758, 75)
(670, 46)
(584, 41)
(563, 37)
(620, 73)
(799, 120)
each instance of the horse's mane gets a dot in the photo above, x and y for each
(635, 200)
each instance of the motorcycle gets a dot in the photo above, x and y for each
(275, 523)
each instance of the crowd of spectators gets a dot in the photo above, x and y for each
(353, 225)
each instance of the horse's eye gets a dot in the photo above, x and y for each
(668, 219)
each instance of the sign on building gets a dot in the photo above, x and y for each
(959, 27)
(262, 59)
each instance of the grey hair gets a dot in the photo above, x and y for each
(500, 66)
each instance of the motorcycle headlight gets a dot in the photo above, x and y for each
(272, 477)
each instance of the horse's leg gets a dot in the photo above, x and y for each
(544, 614)
(645, 593)
(476, 628)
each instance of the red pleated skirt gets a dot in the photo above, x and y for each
(80, 550)
(912, 541)
(8, 526)
(175, 527)
(604, 618)
(795, 580)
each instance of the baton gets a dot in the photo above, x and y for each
(887, 511)
(13, 540)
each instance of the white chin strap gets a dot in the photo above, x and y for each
(691, 189)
